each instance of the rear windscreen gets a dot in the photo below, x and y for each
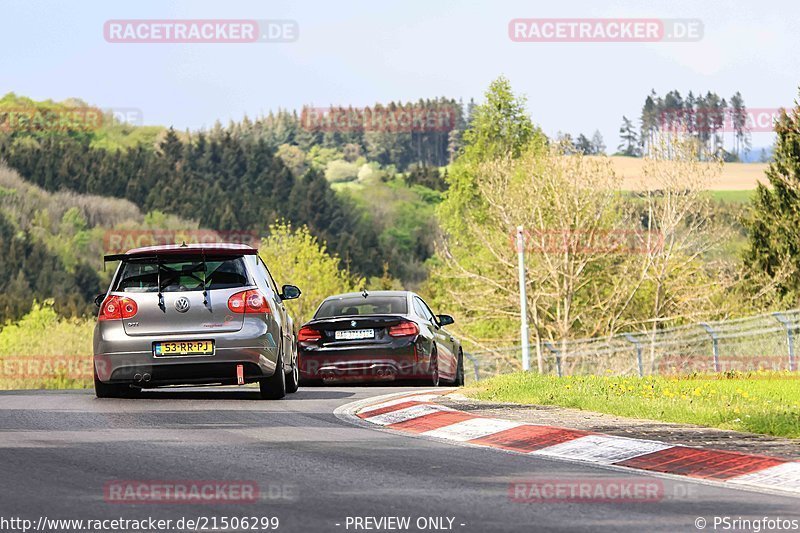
(358, 305)
(182, 275)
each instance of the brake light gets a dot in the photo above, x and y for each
(307, 334)
(247, 302)
(117, 308)
(404, 329)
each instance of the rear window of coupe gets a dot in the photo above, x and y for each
(358, 305)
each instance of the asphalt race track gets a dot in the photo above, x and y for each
(60, 450)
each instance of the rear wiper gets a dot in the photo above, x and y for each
(161, 283)
(158, 282)
(203, 283)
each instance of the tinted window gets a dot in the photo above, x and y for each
(182, 275)
(358, 305)
(422, 310)
(268, 276)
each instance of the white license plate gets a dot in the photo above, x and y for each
(353, 334)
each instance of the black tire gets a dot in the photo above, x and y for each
(274, 387)
(435, 381)
(110, 390)
(459, 381)
(293, 378)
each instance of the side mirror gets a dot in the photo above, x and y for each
(445, 320)
(98, 300)
(290, 292)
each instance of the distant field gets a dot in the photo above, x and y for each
(735, 176)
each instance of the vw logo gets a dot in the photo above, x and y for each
(352, 323)
(182, 304)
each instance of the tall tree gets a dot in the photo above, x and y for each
(738, 119)
(583, 145)
(773, 255)
(499, 127)
(598, 146)
(629, 140)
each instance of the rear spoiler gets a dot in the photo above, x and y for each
(181, 251)
(212, 252)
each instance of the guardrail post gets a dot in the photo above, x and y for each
(555, 352)
(475, 365)
(787, 324)
(714, 344)
(633, 340)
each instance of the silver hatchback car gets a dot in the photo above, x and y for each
(197, 314)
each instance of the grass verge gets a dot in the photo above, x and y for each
(758, 402)
(45, 351)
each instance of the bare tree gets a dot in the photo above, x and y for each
(681, 277)
(599, 260)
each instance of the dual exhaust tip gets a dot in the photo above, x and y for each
(138, 378)
(380, 372)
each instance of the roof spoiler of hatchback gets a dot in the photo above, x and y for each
(212, 251)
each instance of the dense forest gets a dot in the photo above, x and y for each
(377, 133)
(222, 182)
(243, 176)
(32, 271)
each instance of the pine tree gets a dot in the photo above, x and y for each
(598, 146)
(774, 224)
(629, 141)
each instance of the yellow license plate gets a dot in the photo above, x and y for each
(166, 349)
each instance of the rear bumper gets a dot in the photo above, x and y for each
(363, 363)
(186, 374)
(119, 358)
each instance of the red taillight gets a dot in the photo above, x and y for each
(251, 301)
(307, 334)
(117, 308)
(404, 329)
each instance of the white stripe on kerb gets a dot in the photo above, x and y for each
(401, 415)
(602, 449)
(784, 477)
(472, 429)
(404, 399)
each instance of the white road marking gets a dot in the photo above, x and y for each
(785, 477)
(472, 429)
(780, 480)
(404, 399)
(401, 415)
(602, 449)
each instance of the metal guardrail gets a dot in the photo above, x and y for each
(761, 342)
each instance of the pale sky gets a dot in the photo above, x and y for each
(359, 52)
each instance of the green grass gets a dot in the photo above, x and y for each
(733, 197)
(45, 351)
(758, 402)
